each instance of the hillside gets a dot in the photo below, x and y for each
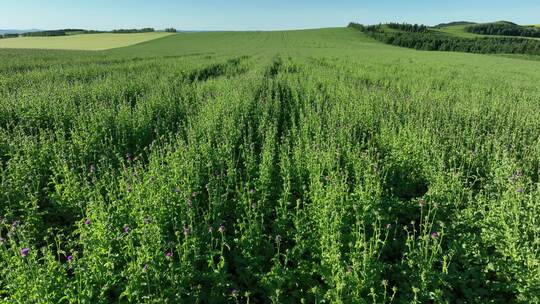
(457, 30)
(455, 23)
(314, 166)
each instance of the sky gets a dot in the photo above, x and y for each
(254, 14)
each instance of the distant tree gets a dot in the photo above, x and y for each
(413, 28)
(170, 30)
(357, 26)
(129, 31)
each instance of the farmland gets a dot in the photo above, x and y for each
(88, 42)
(316, 166)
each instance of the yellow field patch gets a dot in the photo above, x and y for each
(89, 42)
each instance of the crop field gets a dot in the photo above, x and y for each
(315, 166)
(88, 42)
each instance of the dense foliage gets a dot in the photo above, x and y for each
(429, 40)
(504, 29)
(130, 31)
(411, 28)
(281, 167)
(9, 35)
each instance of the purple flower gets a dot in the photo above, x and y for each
(69, 258)
(145, 268)
(435, 235)
(87, 222)
(278, 238)
(234, 293)
(24, 252)
(92, 168)
(186, 230)
(126, 229)
(168, 254)
(221, 228)
(14, 224)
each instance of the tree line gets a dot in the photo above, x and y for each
(65, 32)
(503, 29)
(436, 41)
(9, 36)
(130, 31)
(411, 28)
(61, 32)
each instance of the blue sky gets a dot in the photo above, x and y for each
(254, 15)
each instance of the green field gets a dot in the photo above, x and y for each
(89, 42)
(459, 31)
(315, 166)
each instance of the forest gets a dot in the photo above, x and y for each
(422, 38)
(504, 29)
(130, 31)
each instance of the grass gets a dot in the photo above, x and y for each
(459, 31)
(312, 166)
(89, 42)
